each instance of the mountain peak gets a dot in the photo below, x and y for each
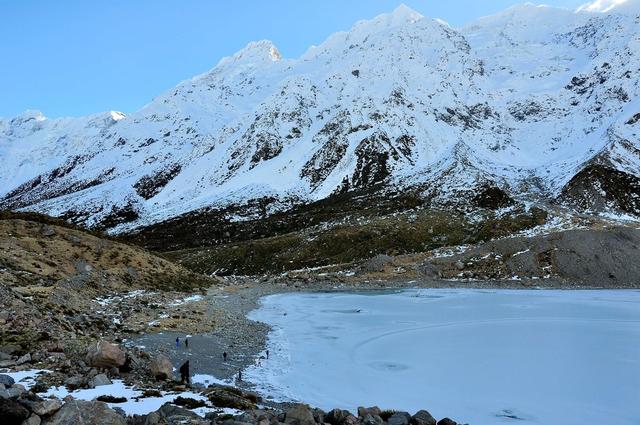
(263, 51)
(29, 115)
(404, 13)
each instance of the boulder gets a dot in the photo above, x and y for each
(98, 380)
(369, 419)
(337, 416)
(13, 392)
(6, 380)
(299, 414)
(399, 418)
(74, 382)
(106, 355)
(24, 359)
(46, 407)
(188, 402)
(422, 417)
(161, 367)
(230, 397)
(447, 421)
(48, 231)
(318, 415)
(350, 420)
(364, 411)
(168, 414)
(32, 420)
(11, 412)
(86, 412)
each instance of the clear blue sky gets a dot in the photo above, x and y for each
(76, 57)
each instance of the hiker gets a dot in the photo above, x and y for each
(224, 356)
(186, 342)
(239, 375)
(177, 342)
(184, 373)
(267, 354)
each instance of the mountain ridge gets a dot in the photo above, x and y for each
(524, 100)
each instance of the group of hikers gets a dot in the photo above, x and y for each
(185, 375)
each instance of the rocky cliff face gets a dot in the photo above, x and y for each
(529, 100)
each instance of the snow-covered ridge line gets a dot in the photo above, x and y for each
(525, 100)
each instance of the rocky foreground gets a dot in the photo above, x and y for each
(104, 361)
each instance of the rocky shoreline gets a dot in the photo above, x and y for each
(19, 406)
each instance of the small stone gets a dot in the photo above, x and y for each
(24, 359)
(74, 382)
(98, 380)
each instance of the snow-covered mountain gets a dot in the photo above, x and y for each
(541, 102)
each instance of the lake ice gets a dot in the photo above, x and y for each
(477, 356)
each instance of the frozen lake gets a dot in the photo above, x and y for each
(477, 356)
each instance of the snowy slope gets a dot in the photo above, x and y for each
(524, 100)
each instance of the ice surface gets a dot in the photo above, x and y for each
(481, 357)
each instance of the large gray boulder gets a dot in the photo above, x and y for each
(364, 411)
(399, 418)
(6, 380)
(79, 412)
(161, 368)
(11, 412)
(46, 407)
(105, 355)
(299, 414)
(337, 416)
(369, 419)
(99, 380)
(33, 420)
(24, 359)
(422, 417)
(447, 421)
(370, 415)
(168, 414)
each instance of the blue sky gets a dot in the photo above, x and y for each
(73, 57)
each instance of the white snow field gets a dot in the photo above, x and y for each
(477, 356)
